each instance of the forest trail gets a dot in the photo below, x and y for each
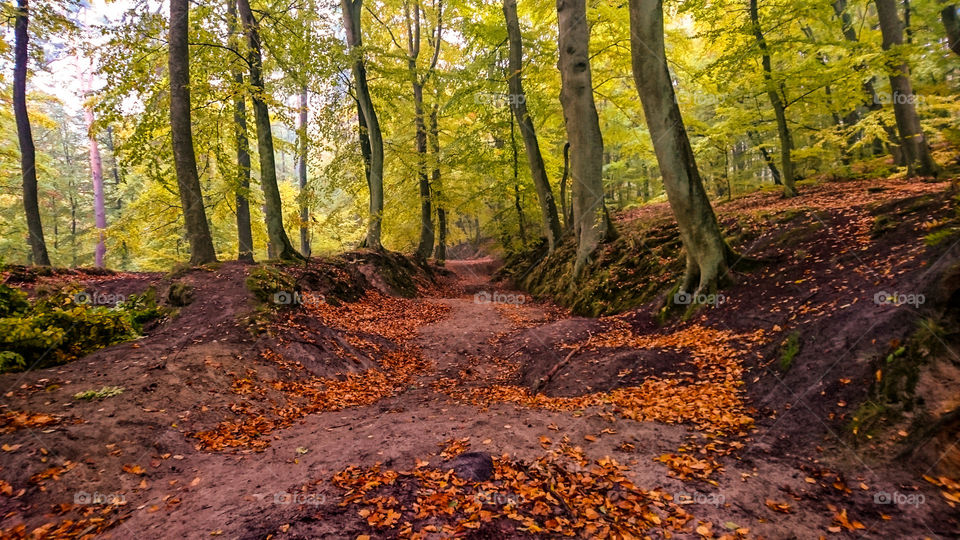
(472, 396)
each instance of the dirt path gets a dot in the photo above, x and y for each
(285, 491)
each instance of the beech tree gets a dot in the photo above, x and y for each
(708, 255)
(371, 138)
(268, 168)
(185, 161)
(583, 130)
(915, 148)
(518, 101)
(28, 157)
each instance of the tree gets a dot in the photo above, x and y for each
(302, 173)
(268, 169)
(440, 253)
(583, 130)
(370, 134)
(951, 25)
(185, 161)
(96, 174)
(242, 188)
(707, 253)
(518, 101)
(779, 104)
(425, 244)
(915, 148)
(28, 157)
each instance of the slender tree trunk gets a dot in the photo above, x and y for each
(778, 102)
(28, 158)
(518, 102)
(915, 148)
(567, 211)
(583, 130)
(370, 127)
(185, 161)
(302, 173)
(767, 158)
(707, 253)
(114, 168)
(517, 203)
(268, 168)
(951, 26)
(440, 252)
(96, 173)
(244, 232)
(427, 234)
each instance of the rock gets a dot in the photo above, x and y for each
(475, 466)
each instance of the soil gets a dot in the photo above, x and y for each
(180, 379)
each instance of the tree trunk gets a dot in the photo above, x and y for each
(915, 148)
(302, 173)
(951, 25)
(244, 233)
(268, 169)
(567, 213)
(518, 102)
(778, 102)
(707, 253)
(440, 252)
(427, 235)
(96, 174)
(185, 161)
(583, 130)
(517, 203)
(28, 158)
(767, 158)
(370, 125)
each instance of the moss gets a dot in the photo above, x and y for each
(789, 349)
(180, 294)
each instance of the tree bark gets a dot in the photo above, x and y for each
(244, 232)
(440, 252)
(517, 203)
(916, 151)
(427, 234)
(268, 168)
(778, 103)
(302, 174)
(767, 158)
(518, 102)
(706, 251)
(96, 174)
(567, 213)
(28, 157)
(583, 130)
(951, 26)
(185, 161)
(370, 125)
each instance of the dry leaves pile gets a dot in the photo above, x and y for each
(14, 420)
(96, 520)
(950, 488)
(711, 400)
(391, 318)
(561, 493)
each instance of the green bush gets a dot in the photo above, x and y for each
(55, 329)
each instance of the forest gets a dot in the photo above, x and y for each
(480, 269)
